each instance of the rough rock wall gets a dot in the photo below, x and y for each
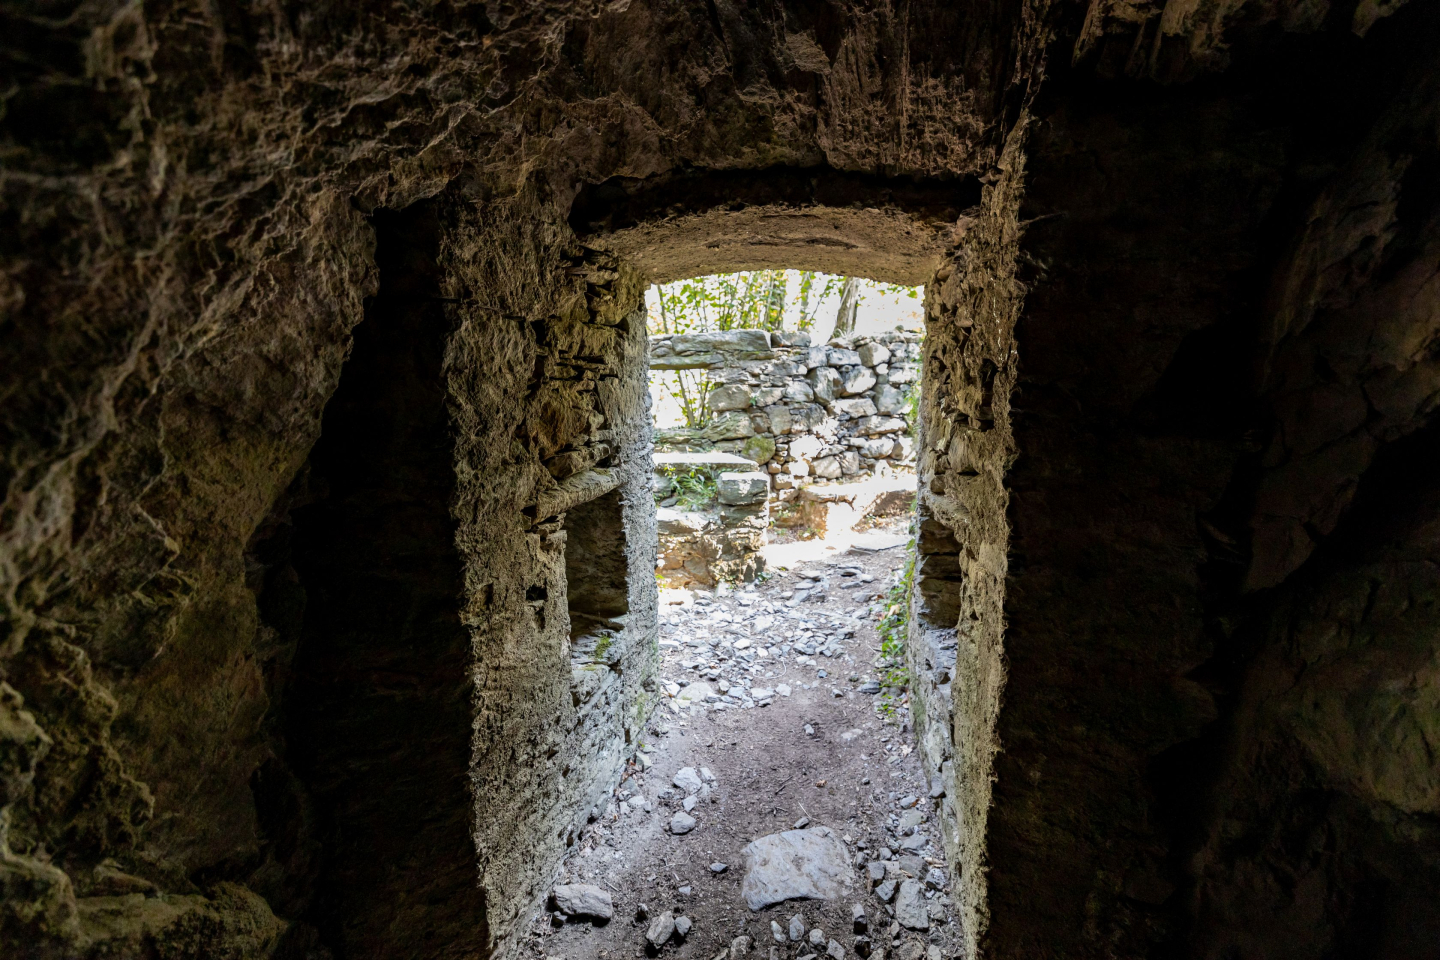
(1210, 731)
(965, 449)
(1230, 334)
(185, 252)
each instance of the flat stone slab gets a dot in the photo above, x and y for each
(708, 461)
(809, 864)
(743, 487)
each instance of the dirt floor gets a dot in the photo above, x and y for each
(819, 750)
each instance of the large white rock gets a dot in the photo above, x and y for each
(807, 447)
(825, 382)
(584, 900)
(736, 488)
(872, 353)
(731, 396)
(809, 864)
(858, 380)
(874, 426)
(854, 407)
(695, 693)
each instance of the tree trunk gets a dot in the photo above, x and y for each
(849, 305)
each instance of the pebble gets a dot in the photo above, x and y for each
(935, 878)
(681, 823)
(857, 917)
(875, 870)
(739, 946)
(835, 951)
(817, 936)
(776, 932)
(661, 930)
(689, 804)
(718, 867)
(871, 687)
(862, 946)
(797, 928)
(802, 823)
(682, 927)
(688, 780)
(886, 891)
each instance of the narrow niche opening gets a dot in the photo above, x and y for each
(596, 592)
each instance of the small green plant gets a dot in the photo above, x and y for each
(693, 489)
(894, 629)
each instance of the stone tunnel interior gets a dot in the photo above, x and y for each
(328, 542)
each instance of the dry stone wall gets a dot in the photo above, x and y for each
(837, 411)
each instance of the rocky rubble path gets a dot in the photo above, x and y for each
(770, 725)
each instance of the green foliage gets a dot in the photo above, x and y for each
(694, 489)
(894, 630)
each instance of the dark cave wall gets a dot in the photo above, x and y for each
(1224, 233)
(1210, 746)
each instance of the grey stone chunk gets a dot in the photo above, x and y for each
(797, 928)
(584, 900)
(799, 391)
(739, 947)
(835, 951)
(825, 383)
(889, 400)
(854, 407)
(682, 823)
(776, 931)
(878, 447)
(795, 865)
(731, 425)
(662, 928)
(790, 338)
(875, 870)
(914, 844)
(688, 779)
(682, 927)
(904, 372)
(875, 426)
(687, 351)
(738, 488)
(817, 936)
(857, 380)
(857, 917)
(935, 878)
(827, 467)
(717, 867)
(869, 686)
(936, 911)
(838, 357)
(730, 396)
(872, 353)
(862, 946)
(910, 906)
(886, 891)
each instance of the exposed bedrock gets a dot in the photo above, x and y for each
(327, 541)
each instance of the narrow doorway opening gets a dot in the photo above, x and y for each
(784, 415)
